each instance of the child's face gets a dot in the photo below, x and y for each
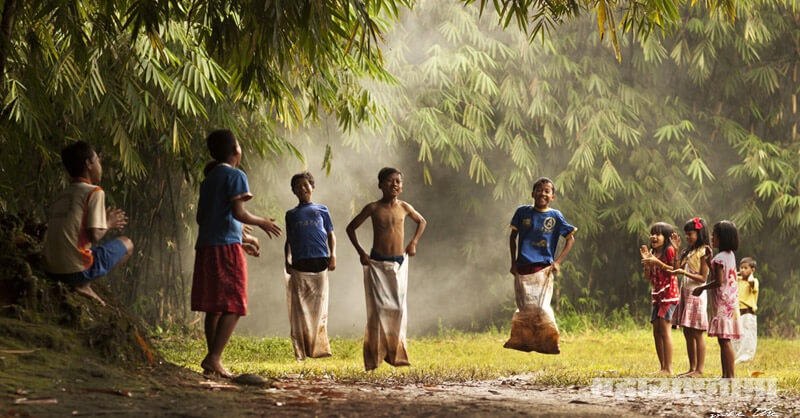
(95, 169)
(714, 240)
(745, 270)
(236, 158)
(302, 189)
(542, 195)
(392, 186)
(691, 238)
(656, 241)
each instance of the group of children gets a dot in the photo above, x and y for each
(79, 218)
(733, 299)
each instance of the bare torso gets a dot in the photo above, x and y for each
(387, 227)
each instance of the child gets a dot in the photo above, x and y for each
(745, 348)
(724, 299)
(691, 311)
(538, 228)
(310, 251)
(533, 263)
(219, 285)
(658, 261)
(79, 217)
(385, 270)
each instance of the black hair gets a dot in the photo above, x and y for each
(664, 229)
(386, 172)
(543, 180)
(750, 261)
(74, 157)
(304, 175)
(221, 144)
(698, 225)
(727, 235)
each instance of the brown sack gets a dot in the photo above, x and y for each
(307, 300)
(533, 327)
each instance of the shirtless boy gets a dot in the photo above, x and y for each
(387, 216)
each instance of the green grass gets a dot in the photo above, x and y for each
(460, 357)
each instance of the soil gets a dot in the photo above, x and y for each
(44, 386)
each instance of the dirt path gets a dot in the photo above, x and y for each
(85, 388)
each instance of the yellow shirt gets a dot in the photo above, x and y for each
(748, 296)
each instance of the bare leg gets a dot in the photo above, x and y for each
(659, 346)
(726, 357)
(211, 329)
(700, 343)
(222, 333)
(666, 348)
(690, 350)
(129, 247)
(86, 290)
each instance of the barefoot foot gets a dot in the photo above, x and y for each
(87, 291)
(214, 368)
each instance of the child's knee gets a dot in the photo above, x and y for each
(128, 244)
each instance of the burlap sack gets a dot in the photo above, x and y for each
(385, 284)
(533, 327)
(307, 300)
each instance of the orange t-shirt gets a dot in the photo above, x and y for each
(66, 245)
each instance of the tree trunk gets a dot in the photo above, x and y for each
(6, 27)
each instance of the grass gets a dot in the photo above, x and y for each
(462, 357)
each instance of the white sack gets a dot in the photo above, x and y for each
(307, 300)
(385, 285)
(744, 348)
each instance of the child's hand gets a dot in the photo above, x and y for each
(250, 249)
(250, 244)
(676, 271)
(287, 266)
(513, 269)
(645, 252)
(554, 268)
(332, 263)
(411, 250)
(116, 218)
(271, 228)
(675, 239)
(697, 291)
(364, 259)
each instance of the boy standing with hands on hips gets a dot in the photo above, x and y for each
(386, 270)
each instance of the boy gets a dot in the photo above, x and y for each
(79, 217)
(386, 270)
(538, 228)
(312, 245)
(745, 347)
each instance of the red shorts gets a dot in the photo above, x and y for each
(219, 283)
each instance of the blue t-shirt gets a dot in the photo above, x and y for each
(307, 226)
(538, 234)
(215, 208)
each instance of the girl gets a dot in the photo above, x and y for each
(658, 261)
(219, 283)
(691, 311)
(725, 298)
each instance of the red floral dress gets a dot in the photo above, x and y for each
(665, 285)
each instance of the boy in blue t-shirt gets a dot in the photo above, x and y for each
(309, 231)
(538, 228)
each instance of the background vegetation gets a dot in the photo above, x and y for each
(701, 122)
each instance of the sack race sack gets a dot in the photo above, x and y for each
(307, 299)
(533, 327)
(385, 284)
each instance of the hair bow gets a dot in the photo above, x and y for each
(697, 225)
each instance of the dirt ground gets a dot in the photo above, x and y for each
(83, 387)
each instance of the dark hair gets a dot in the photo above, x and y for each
(750, 261)
(304, 175)
(727, 235)
(74, 157)
(698, 225)
(221, 144)
(664, 229)
(386, 172)
(543, 180)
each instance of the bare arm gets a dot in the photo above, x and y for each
(512, 245)
(244, 216)
(351, 232)
(716, 281)
(115, 219)
(332, 247)
(286, 251)
(411, 249)
(567, 246)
